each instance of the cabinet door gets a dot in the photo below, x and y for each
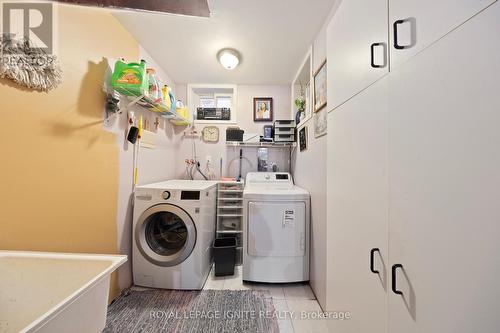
(357, 211)
(444, 162)
(419, 23)
(357, 39)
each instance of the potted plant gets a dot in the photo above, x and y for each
(300, 104)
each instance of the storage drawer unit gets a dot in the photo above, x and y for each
(230, 214)
(284, 131)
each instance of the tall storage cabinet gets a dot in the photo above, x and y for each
(358, 212)
(444, 162)
(357, 50)
(430, 132)
(362, 33)
(415, 24)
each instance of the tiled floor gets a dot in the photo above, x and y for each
(295, 303)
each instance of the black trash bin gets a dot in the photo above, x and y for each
(224, 255)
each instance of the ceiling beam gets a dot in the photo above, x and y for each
(183, 7)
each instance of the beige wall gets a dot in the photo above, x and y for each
(59, 168)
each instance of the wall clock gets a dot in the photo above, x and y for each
(210, 134)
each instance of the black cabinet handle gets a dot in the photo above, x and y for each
(413, 23)
(372, 266)
(372, 52)
(394, 275)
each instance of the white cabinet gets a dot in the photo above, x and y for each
(357, 211)
(414, 160)
(415, 24)
(360, 31)
(445, 183)
(357, 39)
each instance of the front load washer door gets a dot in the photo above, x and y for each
(165, 234)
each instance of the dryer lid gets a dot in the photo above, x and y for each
(272, 185)
(282, 180)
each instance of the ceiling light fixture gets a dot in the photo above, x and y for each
(228, 58)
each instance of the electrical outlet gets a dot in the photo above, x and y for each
(209, 159)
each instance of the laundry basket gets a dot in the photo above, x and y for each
(224, 256)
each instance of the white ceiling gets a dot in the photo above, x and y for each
(272, 36)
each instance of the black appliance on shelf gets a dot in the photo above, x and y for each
(234, 134)
(213, 113)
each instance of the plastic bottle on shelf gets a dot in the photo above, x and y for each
(173, 106)
(154, 88)
(129, 79)
(166, 96)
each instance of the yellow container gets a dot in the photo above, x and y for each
(184, 113)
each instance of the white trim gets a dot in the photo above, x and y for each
(309, 110)
(234, 102)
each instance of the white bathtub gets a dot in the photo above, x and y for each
(54, 292)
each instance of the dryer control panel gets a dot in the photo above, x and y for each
(169, 195)
(274, 179)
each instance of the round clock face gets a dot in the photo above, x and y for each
(211, 134)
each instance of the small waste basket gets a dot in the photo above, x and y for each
(224, 255)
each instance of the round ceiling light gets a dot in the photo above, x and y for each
(228, 58)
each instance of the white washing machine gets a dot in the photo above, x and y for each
(173, 232)
(276, 229)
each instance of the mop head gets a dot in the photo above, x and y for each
(27, 65)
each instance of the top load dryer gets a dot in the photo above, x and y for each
(276, 229)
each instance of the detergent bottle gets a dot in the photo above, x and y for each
(130, 79)
(154, 92)
(166, 96)
(172, 101)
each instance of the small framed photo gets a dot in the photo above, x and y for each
(303, 138)
(320, 123)
(263, 109)
(320, 88)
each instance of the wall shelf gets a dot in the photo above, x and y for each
(143, 102)
(158, 108)
(303, 80)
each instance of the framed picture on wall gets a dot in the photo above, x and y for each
(320, 88)
(303, 138)
(263, 109)
(320, 123)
